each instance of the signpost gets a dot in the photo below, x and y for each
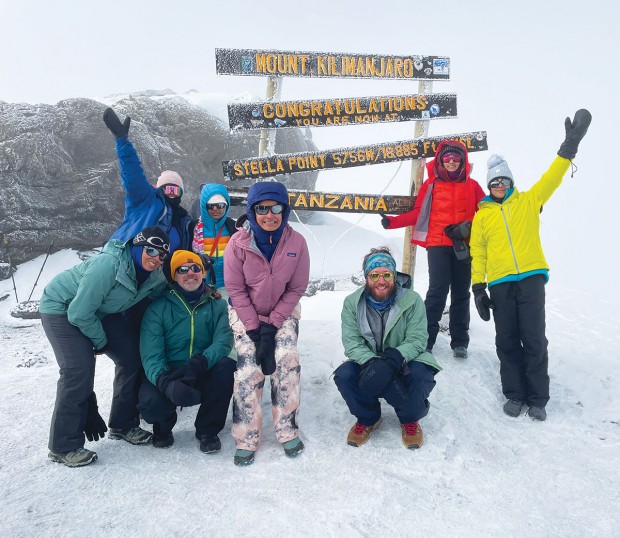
(291, 163)
(348, 111)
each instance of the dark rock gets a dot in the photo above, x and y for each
(5, 271)
(59, 173)
(26, 310)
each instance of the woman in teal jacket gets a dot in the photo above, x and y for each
(80, 311)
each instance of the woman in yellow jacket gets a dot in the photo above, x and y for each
(507, 254)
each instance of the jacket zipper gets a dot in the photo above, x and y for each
(514, 256)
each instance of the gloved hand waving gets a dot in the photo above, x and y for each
(118, 129)
(575, 131)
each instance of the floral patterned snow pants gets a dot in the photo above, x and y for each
(249, 383)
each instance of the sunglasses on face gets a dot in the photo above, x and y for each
(152, 252)
(501, 181)
(451, 157)
(219, 205)
(172, 190)
(264, 209)
(387, 276)
(184, 269)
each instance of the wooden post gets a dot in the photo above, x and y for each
(267, 140)
(417, 176)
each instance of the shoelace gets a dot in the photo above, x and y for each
(358, 429)
(411, 428)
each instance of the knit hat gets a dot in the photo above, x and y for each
(181, 257)
(152, 236)
(379, 259)
(168, 177)
(498, 167)
(217, 199)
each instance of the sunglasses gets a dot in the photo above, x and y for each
(219, 205)
(172, 190)
(152, 252)
(264, 209)
(184, 269)
(451, 157)
(387, 276)
(506, 182)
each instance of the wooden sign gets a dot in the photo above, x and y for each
(347, 111)
(336, 201)
(291, 163)
(330, 64)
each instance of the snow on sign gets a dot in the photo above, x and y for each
(330, 64)
(347, 111)
(290, 163)
(336, 201)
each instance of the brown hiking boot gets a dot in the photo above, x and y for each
(359, 434)
(412, 435)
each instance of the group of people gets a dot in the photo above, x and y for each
(169, 298)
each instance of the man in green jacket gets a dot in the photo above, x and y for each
(384, 333)
(82, 315)
(184, 342)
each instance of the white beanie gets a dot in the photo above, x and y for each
(168, 177)
(217, 199)
(498, 167)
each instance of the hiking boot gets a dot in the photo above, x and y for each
(537, 413)
(513, 408)
(359, 434)
(163, 440)
(135, 435)
(412, 435)
(243, 457)
(293, 448)
(209, 444)
(460, 352)
(74, 458)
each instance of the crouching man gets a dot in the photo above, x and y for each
(184, 343)
(384, 335)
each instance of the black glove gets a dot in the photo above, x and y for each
(254, 335)
(385, 221)
(197, 364)
(483, 303)
(266, 349)
(394, 358)
(575, 131)
(95, 427)
(207, 262)
(461, 250)
(178, 391)
(118, 129)
(458, 231)
(376, 376)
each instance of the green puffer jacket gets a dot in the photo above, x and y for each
(104, 284)
(405, 329)
(172, 331)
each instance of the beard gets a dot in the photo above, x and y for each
(382, 295)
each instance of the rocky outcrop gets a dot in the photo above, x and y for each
(59, 175)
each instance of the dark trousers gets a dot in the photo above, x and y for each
(407, 394)
(216, 387)
(519, 316)
(446, 273)
(76, 359)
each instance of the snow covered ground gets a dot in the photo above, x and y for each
(479, 473)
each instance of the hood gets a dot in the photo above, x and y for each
(435, 167)
(267, 190)
(209, 190)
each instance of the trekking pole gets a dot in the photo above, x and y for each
(49, 251)
(13, 278)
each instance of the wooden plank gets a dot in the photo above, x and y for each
(279, 63)
(291, 163)
(342, 202)
(344, 111)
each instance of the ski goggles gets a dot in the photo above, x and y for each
(184, 269)
(219, 205)
(264, 209)
(447, 157)
(172, 190)
(387, 276)
(152, 252)
(506, 182)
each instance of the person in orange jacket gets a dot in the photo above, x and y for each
(441, 221)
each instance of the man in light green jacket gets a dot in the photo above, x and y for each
(81, 316)
(384, 333)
